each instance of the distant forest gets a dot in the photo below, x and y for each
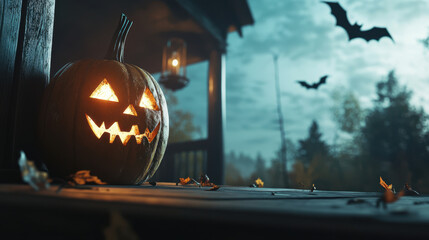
(391, 140)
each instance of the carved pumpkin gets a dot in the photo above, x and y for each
(105, 116)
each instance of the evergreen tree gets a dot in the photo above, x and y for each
(394, 136)
(312, 146)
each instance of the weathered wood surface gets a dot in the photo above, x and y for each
(10, 20)
(217, 116)
(25, 58)
(189, 211)
(31, 73)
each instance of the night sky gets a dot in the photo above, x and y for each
(309, 45)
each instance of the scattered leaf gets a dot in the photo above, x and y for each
(205, 181)
(259, 183)
(31, 175)
(83, 177)
(409, 191)
(214, 188)
(385, 186)
(389, 197)
(184, 181)
(313, 188)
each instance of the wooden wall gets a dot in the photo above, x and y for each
(26, 31)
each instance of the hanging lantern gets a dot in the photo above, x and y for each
(173, 74)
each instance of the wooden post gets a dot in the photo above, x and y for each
(215, 149)
(10, 18)
(26, 44)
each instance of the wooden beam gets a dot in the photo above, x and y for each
(215, 150)
(202, 18)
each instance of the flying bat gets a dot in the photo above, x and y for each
(354, 31)
(314, 85)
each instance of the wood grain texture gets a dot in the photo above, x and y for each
(216, 114)
(31, 74)
(228, 213)
(26, 40)
(10, 11)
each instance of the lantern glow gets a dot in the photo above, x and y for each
(173, 74)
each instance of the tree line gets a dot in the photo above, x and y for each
(390, 139)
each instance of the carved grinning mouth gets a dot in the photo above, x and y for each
(114, 131)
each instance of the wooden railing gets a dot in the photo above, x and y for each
(202, 156)
(183, 159)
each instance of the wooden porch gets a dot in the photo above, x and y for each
(184, 212)
(187, 212)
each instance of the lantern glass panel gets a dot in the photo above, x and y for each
(174, 58)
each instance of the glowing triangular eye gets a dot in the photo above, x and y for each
(148, 101)
(104, 92)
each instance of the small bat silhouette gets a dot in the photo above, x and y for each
(354, 31)
(314, 85)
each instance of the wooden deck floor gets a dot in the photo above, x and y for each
(190, 212)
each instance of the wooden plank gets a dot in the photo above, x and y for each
(249, 212)
(10, 17)
(32, 70)
(216, 117)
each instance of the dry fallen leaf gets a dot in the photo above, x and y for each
(205, 181)
(83, 177)
(389, 197)
(184, 181)
(259, 183)
(409, 191)
(385, 186)
(214, 188)
(31, 175)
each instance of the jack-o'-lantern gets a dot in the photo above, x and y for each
(105, 116)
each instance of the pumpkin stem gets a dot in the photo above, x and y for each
(116, 48)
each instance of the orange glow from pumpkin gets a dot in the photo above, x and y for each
(148, 101)
(114, 130)
(130, 110)
(104, 92)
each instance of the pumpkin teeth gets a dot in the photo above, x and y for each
(114, 130)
